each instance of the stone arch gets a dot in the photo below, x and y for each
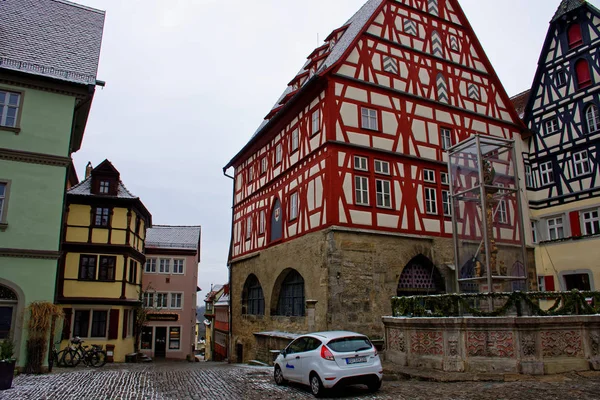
(288, 294)
(253, 299)
(420, 277)
(11, 296)
(276, 222)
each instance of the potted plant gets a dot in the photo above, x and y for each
(7, 364)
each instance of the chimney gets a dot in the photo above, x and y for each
(88, 169)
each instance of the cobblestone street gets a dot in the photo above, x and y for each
(185, 381)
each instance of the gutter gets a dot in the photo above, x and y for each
(229, 350)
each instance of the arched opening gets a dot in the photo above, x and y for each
(420, 277)
(8, 312)
(574, 35)
(253, 300)
(582, 69)
(289, 291)
(276, 226)
(593, 118)
(468, 270)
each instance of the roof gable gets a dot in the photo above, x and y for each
(566, 6)
(173, 237)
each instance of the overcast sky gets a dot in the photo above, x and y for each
(189, 81)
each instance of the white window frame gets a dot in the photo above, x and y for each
(149, 300)
(315, 122)
(534, 234)
(429, 175)
(248, 227)
(161, 300)
(446, 203)
(250, 174)
(552, 126)
(4, 201)
(179, 262)
(546, 173)
(383, 189)
(104, 187)
(431, 200)
(293, 206)
(581, 161)
(446, 138)
(173, 297)
(361, 163)
(382, 167)
(502, 212)
(529, 177)
(164, 267)
(369, 119)
(278, 153)
(592, 117)
(263, 165)
(556, 225)
(5, 106)
(444, 178)
(588, 217)
(361, 190)
(295, 142)
(262, 222)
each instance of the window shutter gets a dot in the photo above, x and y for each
(125, 323)
(113, 325)
(574, 34)
(549, 283)
(582, 69)
(66, 332)
(575, 223)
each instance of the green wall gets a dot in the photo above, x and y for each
(36, 279)
(46, 120)
(34, 206)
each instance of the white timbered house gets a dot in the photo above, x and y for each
(341, 197)
(562, 174)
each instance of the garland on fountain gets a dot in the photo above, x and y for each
(450, 305)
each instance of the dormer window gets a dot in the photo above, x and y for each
(104, 187)
(574, 35)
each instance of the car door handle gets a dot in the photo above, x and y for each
(297, 357)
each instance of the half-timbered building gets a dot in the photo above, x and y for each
(341, 197)
(562, 172)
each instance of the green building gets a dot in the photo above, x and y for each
(49, 52)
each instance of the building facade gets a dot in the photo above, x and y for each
(221, 326)
(170, 288)
(100, 273)
(341, 197)
(210, 300)
(562, 112)
(46, 94)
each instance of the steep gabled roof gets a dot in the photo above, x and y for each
(566, 6)
(173, 237)
(520, 102)
(52, 38)
(84, 188)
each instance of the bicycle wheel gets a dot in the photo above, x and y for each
(60, 358)
(71, 358)
(98, 359)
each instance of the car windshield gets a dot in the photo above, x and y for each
(348, 344)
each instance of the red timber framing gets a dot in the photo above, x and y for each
(383, 91)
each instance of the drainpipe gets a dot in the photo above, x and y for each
(230, 344)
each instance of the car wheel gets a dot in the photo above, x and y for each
(374, 385)
(316, 387)
(278, 375)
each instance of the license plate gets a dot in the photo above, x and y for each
(356, 360)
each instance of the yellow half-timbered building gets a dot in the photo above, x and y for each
(103, 253)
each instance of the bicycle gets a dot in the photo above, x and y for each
(59, 358)
(92, 356)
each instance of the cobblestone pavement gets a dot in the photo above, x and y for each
(190, 381)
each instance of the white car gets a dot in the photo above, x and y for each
(324, 360)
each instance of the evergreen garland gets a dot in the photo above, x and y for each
(456, 305)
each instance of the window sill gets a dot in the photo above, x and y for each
(3, 227)
(10, 129)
